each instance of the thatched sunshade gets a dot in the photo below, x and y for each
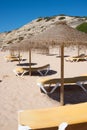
(26, 46)
(61, 35)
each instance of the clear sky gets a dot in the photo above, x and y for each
(16, 13)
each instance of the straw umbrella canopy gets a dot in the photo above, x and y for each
(21, 46)
(25, 45)
(60, 34)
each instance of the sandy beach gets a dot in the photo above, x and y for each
(19, 93)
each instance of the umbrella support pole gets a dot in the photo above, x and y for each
(62, 76)
(78, 50)
(19, 57)
(30, 62)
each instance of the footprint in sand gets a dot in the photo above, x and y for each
(5, 76)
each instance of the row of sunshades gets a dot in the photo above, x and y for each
(44, 82)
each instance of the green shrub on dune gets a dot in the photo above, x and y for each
(82, 27)
(61, 18)
(39, 19)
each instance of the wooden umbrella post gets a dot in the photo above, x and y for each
(62, 76)
(59, 51)
(30, 61)
(19, 57)
(78, 50)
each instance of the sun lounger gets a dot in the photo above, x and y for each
(51, 118)
(77, 58)
(44, 82)
(21, 71)
(73, 59)
(12, 58)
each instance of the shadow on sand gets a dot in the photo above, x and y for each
(51, 72)
(72, 94)
(26, 64)
(51, 54)
(60, 56)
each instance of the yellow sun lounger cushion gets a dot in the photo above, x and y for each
(50, 118)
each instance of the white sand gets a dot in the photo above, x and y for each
(18, 93)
